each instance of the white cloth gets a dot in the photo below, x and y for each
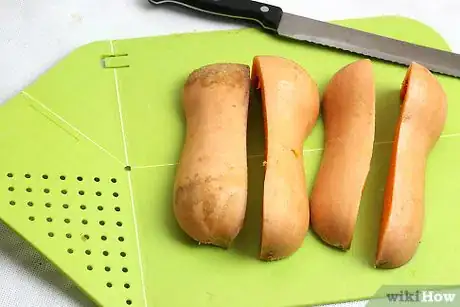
(34, 35)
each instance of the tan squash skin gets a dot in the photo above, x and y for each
(422, 119)
(210, 189)
(348, 109)
(290, 101)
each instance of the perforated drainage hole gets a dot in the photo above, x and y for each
(103, 238)
(121, 239)
(128, 302)
(107, 269)
(62, 177)
(45, 176)
(46, 191)
(105, 253)
(88, 252)
(126, 286)
(29, 190)
(65, 206)
(102, 223)
(113, 180)
(49, 219)
(123, 254)
(50, 234)
(27, 175)
(64, 192)
(115, 194)
(79, 178)
(89, 267)
(70, 251)
(98, 193)
(128, 168)
(85, 237)
(68, 235)
(124, 270)
(67, 221)
(84, 222)
(11, 189)
(31, 218)
(30, 204)
(100, 208)
(117, 209)
(48, 205)
(10, 175)
(97, 179)
(109, 285)
(12, 203)
(81, 192)
(83, 207)
(119, 224)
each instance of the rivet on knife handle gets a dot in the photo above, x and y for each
(269, 16)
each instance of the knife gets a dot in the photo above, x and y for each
(274, 20)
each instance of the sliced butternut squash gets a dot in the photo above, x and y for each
(348, 110)
(290, 100)
(210, 188)
(422, 119)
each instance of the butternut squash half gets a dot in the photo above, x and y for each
(290, 102)
(210, 188)
(348, 109)
(422, 119)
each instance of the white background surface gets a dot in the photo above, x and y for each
(34, 35)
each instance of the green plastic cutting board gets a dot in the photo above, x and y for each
(88, 156)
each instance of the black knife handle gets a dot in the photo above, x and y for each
(269, 16)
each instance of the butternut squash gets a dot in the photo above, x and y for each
(422, 119)
(290, 100)
(348, 110)
(210, 188)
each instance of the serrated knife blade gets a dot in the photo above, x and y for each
(272, 18)
(368, 44)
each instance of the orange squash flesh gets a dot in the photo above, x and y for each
(290, 101)
(210, 189)
(348, 109)
(422, 119)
